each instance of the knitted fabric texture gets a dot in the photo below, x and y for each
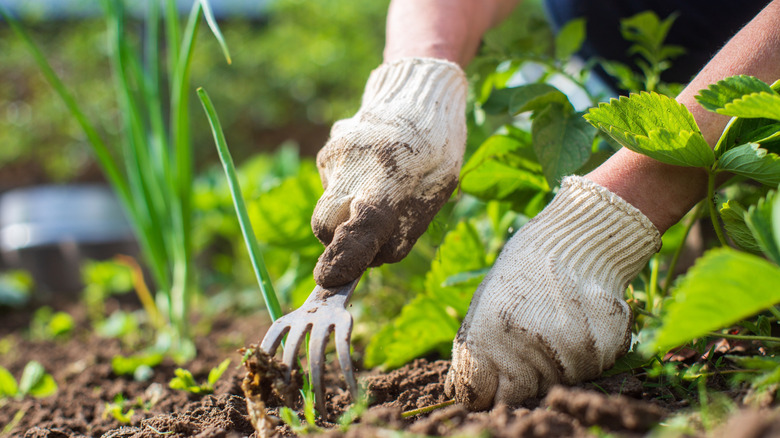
(388, 169)
(551, 309)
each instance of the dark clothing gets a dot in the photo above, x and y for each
(702, 27)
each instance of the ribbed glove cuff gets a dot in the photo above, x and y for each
(594, 234)
(426, 82)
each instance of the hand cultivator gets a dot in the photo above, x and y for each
(324, 311)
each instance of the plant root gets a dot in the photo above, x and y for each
(264, 385)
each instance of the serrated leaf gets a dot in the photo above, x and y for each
(562, 140)
(535, 97)
(740, 131)
(759, 220)
(733, 215)
(723, 287)
(718, 95)
(752, 161)
(8, 387)
(756, 105)
(570, 39)
(31, 376)
(656, 126)
(505, 168)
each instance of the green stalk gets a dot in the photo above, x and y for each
(679, 249)
(713, 208)
(263, 279)
(652, 287)
(745, 337)
(427, 409)
(172, 33)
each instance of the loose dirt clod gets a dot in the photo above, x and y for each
(613, 412)
(264, 385)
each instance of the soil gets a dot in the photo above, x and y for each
(621, 405)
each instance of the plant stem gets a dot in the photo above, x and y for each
(744, 337)
(427, 409)
(652, 287)
(263, 279)
(678, 251)
(713, 208)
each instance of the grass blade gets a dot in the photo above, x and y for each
(107, 161)
(212, 22)
(263, 279)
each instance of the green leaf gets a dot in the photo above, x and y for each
(752, 161)
(570, 39)
(461, 251)
(764, 104)
(759, 220)
(186, 382)
(776, 220)
(281, 216)
(535, 97)
(656, 126)
(122, 365)
(212, 22)
(733, 215)
(31, 376)
(217, 372)
(562, 140)
(723, 287)
(8, 387)
(45, 387)
(718, 95)
(627, 78)
(422, 326)
(505, 168)
(740, 131)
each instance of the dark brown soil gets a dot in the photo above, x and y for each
(621, 405)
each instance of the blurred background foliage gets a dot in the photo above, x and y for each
(296, 68)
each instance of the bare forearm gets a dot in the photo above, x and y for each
(445, 29)
(665, 193)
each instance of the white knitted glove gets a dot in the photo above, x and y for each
(388, 169)
(551, 309)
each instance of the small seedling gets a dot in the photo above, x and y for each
(35, 381)
(185, 381)
(116, 410)
(47, 324)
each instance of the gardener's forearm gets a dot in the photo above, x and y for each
(445, 29)
(665, 193)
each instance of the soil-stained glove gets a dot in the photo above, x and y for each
(388, 169)
(551, 309)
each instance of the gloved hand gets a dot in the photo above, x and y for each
(551, 309)
(389, 169)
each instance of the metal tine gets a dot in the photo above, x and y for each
(317, 343)
(274, 336)
(294, 339)
(343, 334)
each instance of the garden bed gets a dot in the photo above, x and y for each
(623, 405)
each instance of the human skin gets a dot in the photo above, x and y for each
(452, 30)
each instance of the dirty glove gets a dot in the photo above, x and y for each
(388, 169)
(551, 309)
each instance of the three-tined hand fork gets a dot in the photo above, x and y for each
(324, 311)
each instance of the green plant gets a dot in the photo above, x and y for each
(727, 285)
(35, 381)
(156, 154)
(48, 324)
(116, 410)
(185, 381)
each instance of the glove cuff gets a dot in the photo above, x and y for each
(426, 83)
(595, 235)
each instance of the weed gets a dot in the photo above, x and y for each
(185, 381)
(35, 381)
(116, 410)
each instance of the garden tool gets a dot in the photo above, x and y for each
(324, 311)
